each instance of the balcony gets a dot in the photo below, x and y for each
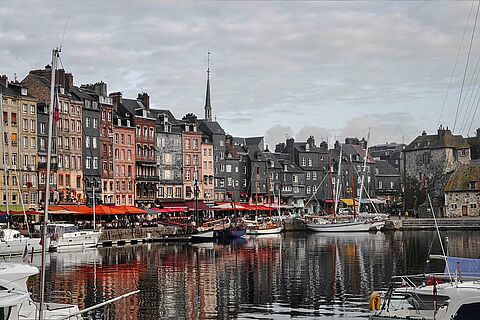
(147, 178)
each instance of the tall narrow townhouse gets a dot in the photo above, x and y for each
(19, 114)
(90, 143)
(169, 156)
(146, 183)
(124, 159)
(192, 153)
(107, 155)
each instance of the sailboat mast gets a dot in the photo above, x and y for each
(353, 188)
(363, 173)
(55, 53)
(337, 187)
(5, 168)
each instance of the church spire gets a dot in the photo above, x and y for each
(208, 106)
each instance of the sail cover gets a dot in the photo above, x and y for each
(467, 266)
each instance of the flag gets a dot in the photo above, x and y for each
(25, 253)
(56, 107)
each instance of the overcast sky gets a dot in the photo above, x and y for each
(328, 69)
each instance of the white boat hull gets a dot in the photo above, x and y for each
(77, 240)
(352, 226)
(17, 246)
(260, 231)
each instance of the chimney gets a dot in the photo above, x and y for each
(100, 88)
(424, 133)
(311, 142)
(144, 99)
(289, 149)
(478, 132)
(68, 81)
(4, 80)
(324, 145)
(117, 98)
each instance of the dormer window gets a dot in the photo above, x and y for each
(24, 91)
(471, 185)
(307, 147)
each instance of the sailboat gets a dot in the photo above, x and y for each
(265, 225)
(355, 225)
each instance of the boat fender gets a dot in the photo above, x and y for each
(375, 301)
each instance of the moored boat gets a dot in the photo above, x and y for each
(12, 242)
(16, 302)
(65, 236)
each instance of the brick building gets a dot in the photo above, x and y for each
(124, 160)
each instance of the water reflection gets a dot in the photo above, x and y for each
(279, 276)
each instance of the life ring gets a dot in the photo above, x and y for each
(375, 301)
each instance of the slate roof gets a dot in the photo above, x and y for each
(14, 90)
(461, 178)
(385, 168)
(80, 93)
(213, 127)
(447, 140)
(168, 113)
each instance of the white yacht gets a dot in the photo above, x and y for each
(65, 236)
(16, 302)
(12, 242)
(451, 300)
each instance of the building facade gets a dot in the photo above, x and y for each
(169, 156)
(124, 161)
(462, 191)
(428, 160)
(19, 147)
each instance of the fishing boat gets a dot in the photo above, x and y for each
(67, 236)
(267, 227)
(12, 242)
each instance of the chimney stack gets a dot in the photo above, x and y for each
(144, 99)
(117, 99)
(4, 80)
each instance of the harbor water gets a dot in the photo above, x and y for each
(292, 275)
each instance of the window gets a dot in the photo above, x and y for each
(25, 124)
(87, 142)
(109, 114)
(471, 185)
(380, 184)
(195, 144)
(187, 144)
(42, 127)
(151, 133)
(229, 168)
(87, 162)
(187, 175)
(308, 175)
(309, 190)
(295, 178)
(95, 123)
(303, 162)
(94, 142)
(314, 175)
(25, 142)
(95, 163)
(309, 162)
(32, 109)
(67, 143)
(24, 108)
(87, 122)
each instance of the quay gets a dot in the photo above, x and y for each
(142, 235)
(417, 224)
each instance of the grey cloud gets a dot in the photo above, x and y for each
(325, 64)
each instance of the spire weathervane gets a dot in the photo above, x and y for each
(208, 106)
